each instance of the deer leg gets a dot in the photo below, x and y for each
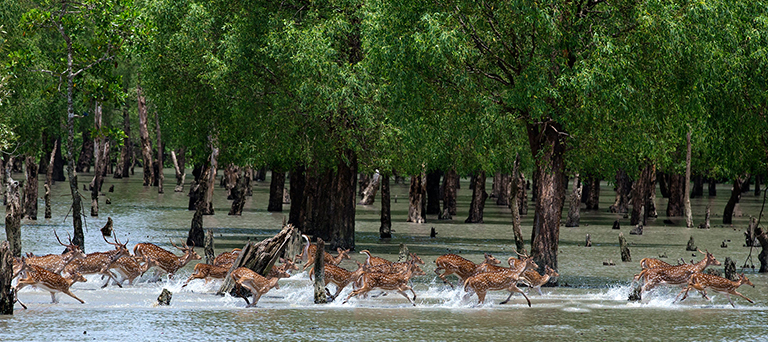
(686, 289)
(743, 296)
(256, 297)
(20, 303)
(512, 290)
(67, 292)
(406, 296)
(480, 297)
(442, 276)
(538, 288)
(53, 298)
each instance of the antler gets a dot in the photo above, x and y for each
(524, 256)
(57, 238)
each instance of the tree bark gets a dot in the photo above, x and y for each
(86, 154)
(196, 236)
(676, 195)
(574, 214)
(238, 194)
(297, 215)
(319, 268)
(591, 193)
(641, 196)
(735, 197)
(100, 146)
(369, 194)
(30, 189)
(664, 180)
(385, 230)
(13, 216)
(687, 187)
(248, 181)
(160, 147)
(516, 225)
(198, 172)
(146, 145)
(479, 196)
(762, 237)
(450, 181)
(124, 162)
(623, 188)
(416, 198)
(712, 187)
(522, 195)
(77, 221)
(758, 179)
(698, 186)
(7, 291)
(276, 186)
(49, 180)
(178, 167)
(211, 177)
(58, 164)
(547, 148)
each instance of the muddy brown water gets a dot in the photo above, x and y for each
(590, 305)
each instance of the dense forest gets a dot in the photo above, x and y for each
(336, 96)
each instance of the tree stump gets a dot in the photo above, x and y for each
(319, 270)
(107, 229)
(638, 230)
(7, 293)
(729, 269)
(574, 214)
(47, 201)
(616, 225)
(164, 298)
(208, 247)
(691, 245)
(13, 214)
(369, 194)
(625, 256)
(403, 255)
(588, 242)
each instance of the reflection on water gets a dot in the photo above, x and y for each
(591, 307)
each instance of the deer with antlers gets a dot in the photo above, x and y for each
(226, 259)
(504, 280)
(164, 259)
(257, 284)
(386, 281)
(310, 250)
(130, 267)
(703, 281)
(56, 262)
(399, 267)
(463, 268)
(99, 262)
(41, 278)
(674, 275)
(533, 279)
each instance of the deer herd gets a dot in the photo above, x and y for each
(56, 273)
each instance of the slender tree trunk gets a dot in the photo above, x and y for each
(194, 191)
(522, 195)
(735, 197)
(496, 186)
(362, 184)
(4, 180)
(758, 179)
(77, 221)
(49, 180)
(574, 214)
(248, 181)
(676, 195)
(208, 194)
(30, 189)
(712, 187)
(479, 196)
(369, 194)
(238, 194)
(664, 180)
(385, 230)
(58, 164)
(687, 188)
(98, 151)
(146, 145)
(124, 161)
(160, 148)
(547, 148)
(641, 196)
(592, 199)
(416, 198)
(515, 188)
(332, 203)
(178, 167)
(623, 188)
(7, 291)
(503, 190)
(698, 186)
(13, 214)
(449, 194)
(196, 236)
(276, 186)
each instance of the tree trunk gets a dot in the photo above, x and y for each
(208, 247)
(30, 189)
(196, 236)
(124, 162)
(146, 145)
(58, 164)
(676, 195)
(479, 196)
(238, 194)
(49, 180)
(260, 175)
(664, 180)
(77, 221)
(248, 183)
(13, 216)
(522, 195)
(160, 148)
(641, 196)
(758, 179)
(515, 189)
(178, 167)
(229, 179)
(99, 146)
(385, 230)
(591, 197)
(547, 148)
(339, 230)
(503, 192)
(369, 194)
(7, 291)
(574, 214)
(211, 179)
(297, 215)
(762, 237)
(698, 186)
(194, 191)
(416, 198)
(86, 154)
(735, 197)
(276, 186)
(319, 268)
(687, 187)
(623, 188)
(449, 194)
(259, 257)
(496, 186)
(362, 184)
(712, 187)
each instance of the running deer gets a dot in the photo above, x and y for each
(99, 262)
(504, 280)
(533, 279)
(283, 271)
(226, 259)
(646, 263)
(308, 255)
(674, 275)
(130, 267)
(254, 282)
(164, 259)
(486, 267)
(340, 277)
(41, 278)
(386, 281)
(703, 281)
(207, 272)
(374, 260)
(399, 267)
(56, 262)
(463, 268)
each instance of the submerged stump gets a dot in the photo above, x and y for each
(319, 270)
(625, 256)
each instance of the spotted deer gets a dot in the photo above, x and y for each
(165, 260)
(646, 263)
(703, 281)
(283, 271)
(226, 259)
(308, 255)
(486, 267)
(504, 280)
(207, 272)
(386, 281)
(56, 262)
(41, 278)
(533, 279)
(463, 268)
(340, 277)
(130, 267)
(99, 262)
(254, 282)
(674, 275)
(374, 260)
(399, 267)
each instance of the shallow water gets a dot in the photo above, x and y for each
(589, 305)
